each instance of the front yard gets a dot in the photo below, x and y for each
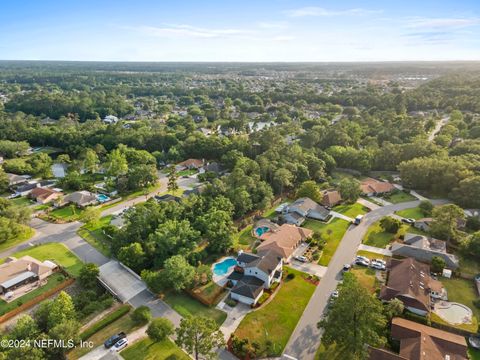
(146, 349)
(351, 210)
(67, 213)
(276, 321)
(93, 234)
(56, 252)
(412, 213)
(366, 277)
(185, 305)
(332, 233)
(399, 197)
(377, 237)
(25, 234)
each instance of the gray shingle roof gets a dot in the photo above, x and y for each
(248, 286)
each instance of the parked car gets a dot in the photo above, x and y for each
(334, 295)
(380, 261)
(301, 258)
(408, 221)
(358, 219)
(120, 344)
(474, 342)
(377, 265)
(346, 267)
(362, 260)
(114, 339)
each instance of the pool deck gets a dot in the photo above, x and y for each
(221, 279)
(465, 318)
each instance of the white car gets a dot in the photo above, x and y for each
(120, 344)
(377, 265)
(301, 258)
(380, 261)
(362, 260)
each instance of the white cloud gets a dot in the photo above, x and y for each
(319, 11)
(272, 24)
(190, 31)
(421, 22)
(283, 38)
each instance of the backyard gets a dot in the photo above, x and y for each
(276, 321)
(366, 277)
(332, 233)
(146, 349)
(52, 282)
(185, 305)
(55, 252)
(244, 238)
(377, 237)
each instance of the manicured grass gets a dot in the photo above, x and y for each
(270, 213)
(124, 324)
(351, 210)
(413, 213)
(372, 255)
(468, 265)
(56, 252)
(22, 201)
(375, 235)
(474, 354)
(245, 240)
(185, 305)
(277, 320)
(462, 291)
(399, 197)
(332, 233)
(26, 233)
(187, 172)
(146, 349)
(366, 277)
(52, 281)
(67, 213)
(93, 234)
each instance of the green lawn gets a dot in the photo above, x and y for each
(56, 252)
(124, 324)
(468, 265)
(372, 255)
(244, 238)
(277, 320)
(332, 232)
(366, 277)
(351, 210)
(23, 201)
(187, 172)
(270, 213)
(185, 305)
(375, 236)
(67, 213)
(399, 197)
(26, 233)
(413, 213)
(474, 354)
(93, 234)
(462, 291)
(53, 281)
(146, 349)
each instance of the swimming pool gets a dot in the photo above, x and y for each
(259, 231)
(453, 313)
(102, 198)
(223, 267)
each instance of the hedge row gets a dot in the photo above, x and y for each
(107, 320)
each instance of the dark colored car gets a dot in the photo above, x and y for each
(114, 339)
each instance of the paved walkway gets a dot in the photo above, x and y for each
(381, 201)
(234, 317)
(417, 195)
(341, 216)
(375, 250)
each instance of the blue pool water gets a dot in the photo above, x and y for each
(102, 198)
(222, 268)
(261, 230)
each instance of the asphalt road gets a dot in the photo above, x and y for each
(306, 337)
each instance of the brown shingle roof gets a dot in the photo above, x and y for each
(370, 185)
(330, 198)
(191, 162)
(284, 240)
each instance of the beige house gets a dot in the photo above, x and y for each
(284, 240)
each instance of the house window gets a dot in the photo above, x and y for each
(256, 273)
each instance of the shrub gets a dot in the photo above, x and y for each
(437, 264)
(159, 329)
(141, 315)
(107, 320)
(263, 298)
(290, 276)
(316, 256)
(230, 302)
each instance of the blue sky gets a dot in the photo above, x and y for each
(225, 30)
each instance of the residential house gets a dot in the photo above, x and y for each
(81, 198)
(418, 341)
(410, 282)
(189, 164)
(110, 119)
(297, 212)
(17, 272)
(44, 195)
(423, 224)
(14, 179)
(423, 248)
(214, 167)
(256, 272)
(330, 198)
(374, 187)
(26, 189)
(284, 240)
(205, 131)
(167, 197)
